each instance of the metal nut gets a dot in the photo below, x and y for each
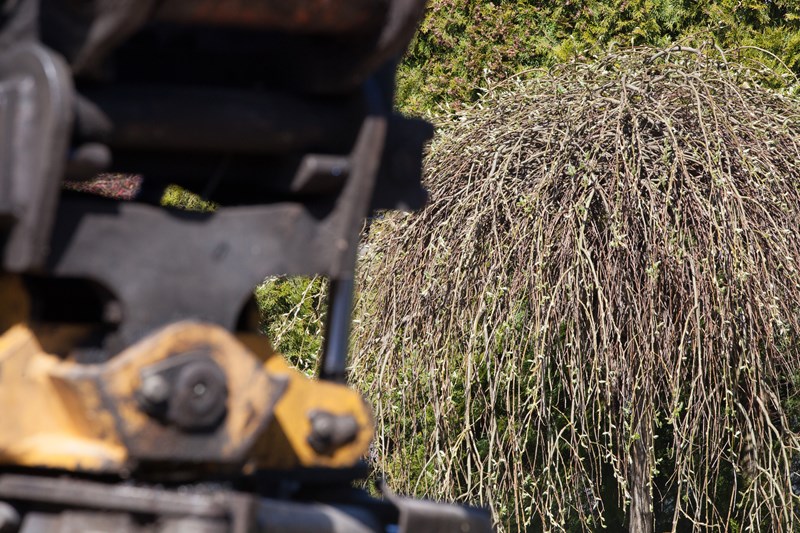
(155, 389)
(329, 432)
(188, 391)
(199, 398)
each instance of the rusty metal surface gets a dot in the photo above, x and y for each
(165, 119)
(350, 39)
(85, 32)
(304, 16)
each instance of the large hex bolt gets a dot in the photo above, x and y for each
(329, 432)
(155, 390)
(188, 391)
(199, 397)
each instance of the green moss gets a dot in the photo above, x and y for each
(293, 314)
(180, 198)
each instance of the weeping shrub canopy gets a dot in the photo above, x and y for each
(602, 297)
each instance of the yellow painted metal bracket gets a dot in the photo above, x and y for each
(90, 418)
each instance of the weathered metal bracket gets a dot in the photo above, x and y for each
(165, 265)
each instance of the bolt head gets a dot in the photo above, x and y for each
(9, 518)
(200, 397)
(155, 389)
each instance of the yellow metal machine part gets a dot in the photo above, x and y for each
(59, 414)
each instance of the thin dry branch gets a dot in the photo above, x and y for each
(610, 257)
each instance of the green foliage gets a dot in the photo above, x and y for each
(466, 45)
(293, 311)
(180, 198)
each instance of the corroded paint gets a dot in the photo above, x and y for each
(305, 16)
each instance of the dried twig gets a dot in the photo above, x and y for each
(610, 256)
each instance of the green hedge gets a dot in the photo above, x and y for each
(465, 45)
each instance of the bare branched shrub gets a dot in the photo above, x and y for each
(600, 304)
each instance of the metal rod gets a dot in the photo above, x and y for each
(233, 121)
(337, 330)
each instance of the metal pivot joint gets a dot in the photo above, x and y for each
(188, 390)
(130, 348)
